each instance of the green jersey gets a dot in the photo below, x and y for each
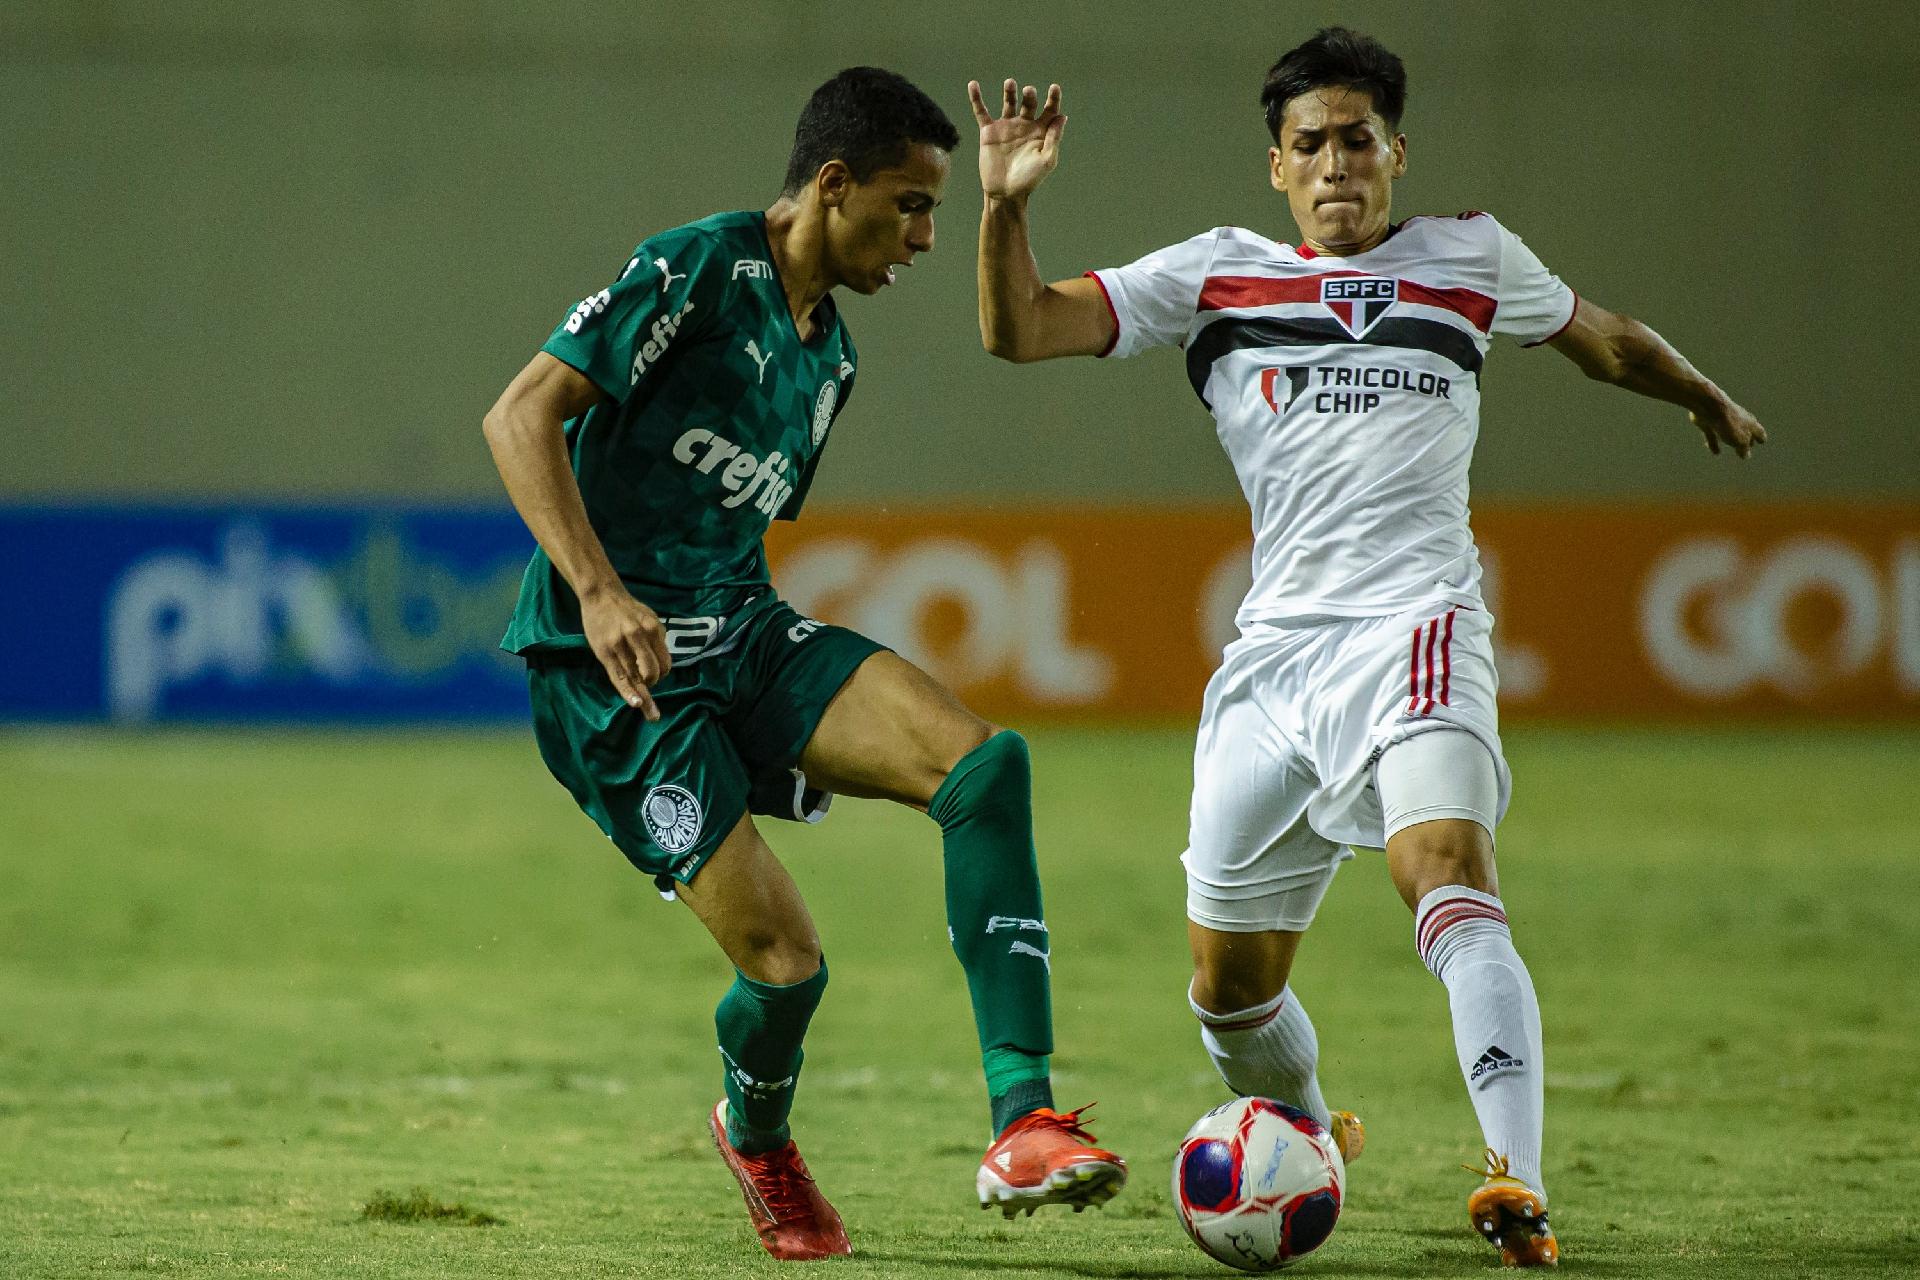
(716, 416)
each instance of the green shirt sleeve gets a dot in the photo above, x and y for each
(669, 292)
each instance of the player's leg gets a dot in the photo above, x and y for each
(671, 795)
(893, 732)
(753, 909)
(751, 906)
(1440, 794)
(1256, 873)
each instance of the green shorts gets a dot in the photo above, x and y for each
(733, 721)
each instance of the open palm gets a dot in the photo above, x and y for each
(1020, 147)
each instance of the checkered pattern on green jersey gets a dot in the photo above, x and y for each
(715, 420)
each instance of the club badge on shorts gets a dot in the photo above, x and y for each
(673, 818)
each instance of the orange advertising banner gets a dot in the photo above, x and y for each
(1671, 611)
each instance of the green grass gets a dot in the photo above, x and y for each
(247, 981)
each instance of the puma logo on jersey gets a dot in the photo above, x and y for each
(1358, 302)
(658, 339)
(667, 273)
(745, 475)
(753, 269)
(753, 349)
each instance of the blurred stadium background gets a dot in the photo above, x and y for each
(268, 264)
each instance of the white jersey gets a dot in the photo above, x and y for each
(1347, 393)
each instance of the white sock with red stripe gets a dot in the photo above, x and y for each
(1463, 938)
(1268, 1051)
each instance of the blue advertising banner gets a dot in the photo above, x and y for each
(144, 614)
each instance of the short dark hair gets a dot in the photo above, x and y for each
(1336, 56)
(866, 118)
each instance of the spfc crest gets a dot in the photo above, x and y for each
(1358, 302)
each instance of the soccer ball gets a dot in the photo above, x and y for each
(1258, 1183)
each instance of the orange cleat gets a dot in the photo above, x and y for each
(795, 1222)
(1512, 1216)
(1349, 1135)
(1047, 1158)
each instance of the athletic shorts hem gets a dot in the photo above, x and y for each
(853, 660)
(1434, 812)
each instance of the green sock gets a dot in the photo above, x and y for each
(994, 915)
(761, 1027)
(1017, 1083)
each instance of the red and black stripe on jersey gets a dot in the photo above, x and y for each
(1233, 333)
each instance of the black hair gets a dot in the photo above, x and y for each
(867, 119)
(1336, 56)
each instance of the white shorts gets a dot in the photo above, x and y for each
(1292, 724)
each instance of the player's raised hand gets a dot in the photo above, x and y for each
(631, 644)
(1020, 147)
(1727, 423)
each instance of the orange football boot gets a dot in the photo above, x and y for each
(1512, 1216)
(1045, 1157)
(1349, 1135)
(795, 1222)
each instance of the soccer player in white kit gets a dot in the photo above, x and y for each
(1357, 705)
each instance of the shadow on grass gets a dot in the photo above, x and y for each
(1434, 1262)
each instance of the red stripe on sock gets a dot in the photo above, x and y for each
(1248, 1024)
(1449, 912)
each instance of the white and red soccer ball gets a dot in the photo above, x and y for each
(1258, 1183)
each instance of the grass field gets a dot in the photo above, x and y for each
(249, 982)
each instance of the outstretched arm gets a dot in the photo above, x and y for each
(1022, 318)
(526, 431)
(1619, 349)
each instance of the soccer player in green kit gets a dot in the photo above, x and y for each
(648, 444)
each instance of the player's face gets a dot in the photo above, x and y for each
(1336, 163)
(877, 225)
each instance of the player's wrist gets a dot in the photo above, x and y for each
(1007, 203)
(1710, 401)
(600, 590)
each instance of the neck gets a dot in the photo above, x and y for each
(1349, 248)
(796, 233)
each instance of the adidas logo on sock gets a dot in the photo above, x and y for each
(1494, 1059)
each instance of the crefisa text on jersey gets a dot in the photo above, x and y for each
(744, 473)
(658, 339)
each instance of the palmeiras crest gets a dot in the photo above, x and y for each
(672, 816)
(1358, 302)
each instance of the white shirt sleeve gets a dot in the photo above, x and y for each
(1155, 298)
(1534, 304)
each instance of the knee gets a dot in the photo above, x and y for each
(1222, 985)
(997, 767)
(779, 957)
(1428, 855)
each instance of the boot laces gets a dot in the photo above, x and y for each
(1496, 1166)
(1068, 1122)
(782, 1181)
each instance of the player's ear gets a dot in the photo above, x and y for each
(1399, 154)
(832, 183)
(1276, 172)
